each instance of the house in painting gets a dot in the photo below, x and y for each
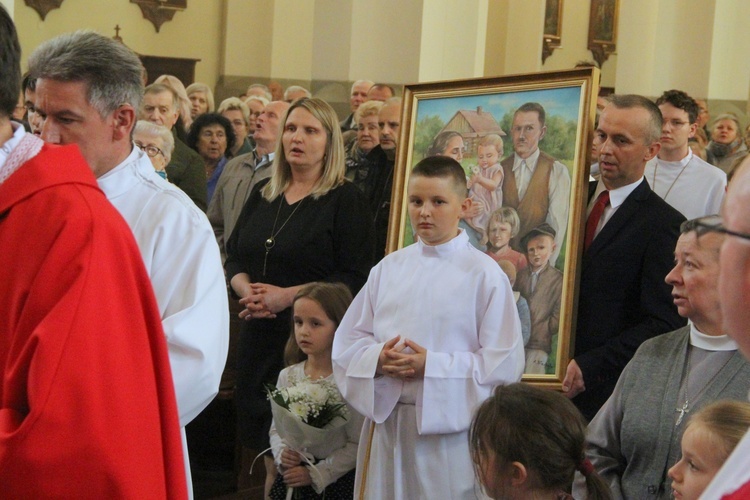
(473, 125)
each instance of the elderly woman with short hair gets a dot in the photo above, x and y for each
(368, 136)
(635, 437)
(157, 142)
(238, 114)
(212, 136)
(727, 144)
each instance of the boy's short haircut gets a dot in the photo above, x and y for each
(543, 229)
(506, 215)
(492, 140)
(10, 64)
(445, 167)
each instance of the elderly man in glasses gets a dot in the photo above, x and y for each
(733, 480)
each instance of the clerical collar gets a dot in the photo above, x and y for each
(676, 164)
(711, 342)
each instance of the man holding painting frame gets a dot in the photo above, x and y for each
(631, 233)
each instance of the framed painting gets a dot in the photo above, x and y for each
(531, 134)
(602, 40)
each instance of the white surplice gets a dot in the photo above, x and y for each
(455, 302)
(182, 259)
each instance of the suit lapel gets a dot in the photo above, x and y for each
(620, 218)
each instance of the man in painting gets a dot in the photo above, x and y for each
(631, 234)
(535, 184)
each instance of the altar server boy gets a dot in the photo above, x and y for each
(424, 342)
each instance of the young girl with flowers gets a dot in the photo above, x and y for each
(314, 434)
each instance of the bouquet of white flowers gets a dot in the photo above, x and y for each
(306, 413)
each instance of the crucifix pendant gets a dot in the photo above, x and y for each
(265, 260)
(682, 412)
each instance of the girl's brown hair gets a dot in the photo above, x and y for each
(334, 299)
(538, 428)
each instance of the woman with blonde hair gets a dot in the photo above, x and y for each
(201, 99)
(305, 223)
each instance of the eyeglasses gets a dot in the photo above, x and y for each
(151, 151)
(710, 224)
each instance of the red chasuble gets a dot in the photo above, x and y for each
(87, 407)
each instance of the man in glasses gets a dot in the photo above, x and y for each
(679, 177)
(733, 480)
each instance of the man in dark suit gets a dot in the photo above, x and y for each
(630, 238)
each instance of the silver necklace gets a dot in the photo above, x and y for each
(685, 406)
(271, 241)
(656, 167)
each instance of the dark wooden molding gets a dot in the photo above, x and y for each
(42, 7)
(160, 11)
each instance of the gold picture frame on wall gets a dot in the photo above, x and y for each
(481, 107)
(552, 37)
(603, 29)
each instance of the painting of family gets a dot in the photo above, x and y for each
(521, 150)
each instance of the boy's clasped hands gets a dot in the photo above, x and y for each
(405, 360)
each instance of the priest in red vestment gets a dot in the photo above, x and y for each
(87, 406)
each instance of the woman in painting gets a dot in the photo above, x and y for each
(305, 223)
(635, 437)
(451, 143)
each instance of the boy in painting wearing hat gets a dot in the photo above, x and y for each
(541, 285)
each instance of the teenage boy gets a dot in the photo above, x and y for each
(679, 177)
(432, 332)
(541, 285)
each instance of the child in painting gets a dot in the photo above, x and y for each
(707, 442)
(528, 442)
(317, 308)
(486, 185)
(424, 342)
(541, 285)
(523, 307)
(502, 226)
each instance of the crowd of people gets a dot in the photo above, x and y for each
(159, 248)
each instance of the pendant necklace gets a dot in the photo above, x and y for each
(675, 179)
(271, 241)
(685, 406)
